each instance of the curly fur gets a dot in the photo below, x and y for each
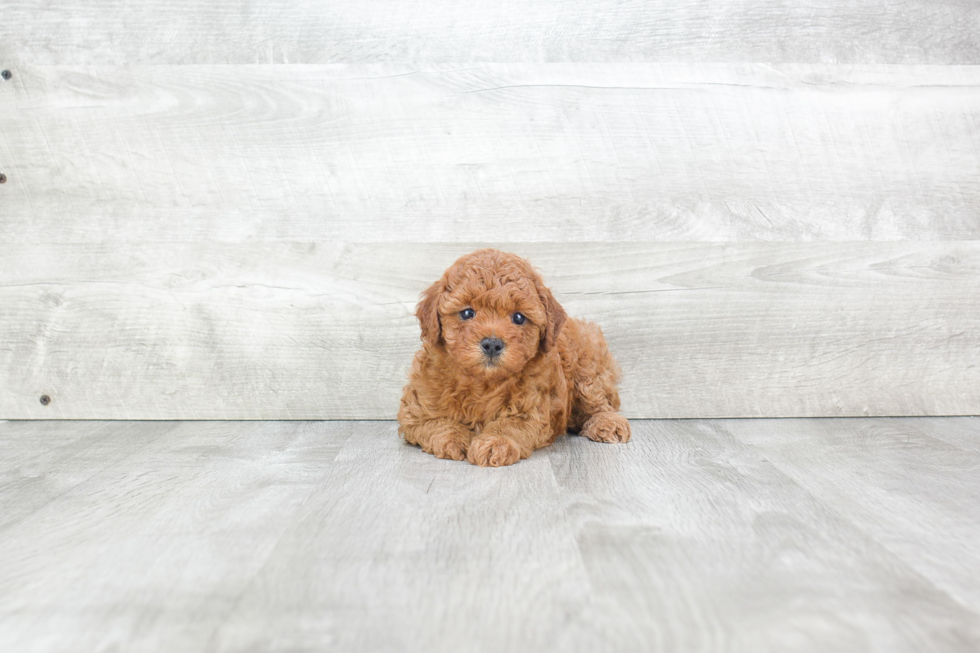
(555, 375)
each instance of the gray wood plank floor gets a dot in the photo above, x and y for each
(700, 535)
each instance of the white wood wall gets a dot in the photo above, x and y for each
(227, 210)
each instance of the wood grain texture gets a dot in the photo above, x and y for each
(304, 331)
(511, 153)
(397, 551)
(73, 452)
(239, 32)
(696, 542)
(862, 468)
(337, 536)
(960, 432)
(154, 549)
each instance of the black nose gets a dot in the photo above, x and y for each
(492, 346)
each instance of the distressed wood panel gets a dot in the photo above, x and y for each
(236, 31)
(295, 331)
(510, 153)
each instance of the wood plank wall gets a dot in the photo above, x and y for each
(227, 210)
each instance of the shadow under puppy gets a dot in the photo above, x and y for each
(502, 372)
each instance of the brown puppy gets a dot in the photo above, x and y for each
(501, 372)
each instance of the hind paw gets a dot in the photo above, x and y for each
(607, 427)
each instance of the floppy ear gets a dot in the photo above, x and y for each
(428, 313)
(554, 316)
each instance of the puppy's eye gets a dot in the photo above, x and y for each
(467, 314)
(518, 318)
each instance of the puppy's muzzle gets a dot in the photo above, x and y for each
(492, 348)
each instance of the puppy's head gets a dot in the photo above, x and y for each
(491, 312)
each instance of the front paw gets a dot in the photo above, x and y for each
(493, 451)
(450, 444)
(607, 427)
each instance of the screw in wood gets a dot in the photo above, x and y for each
(6, 74)
(45, 400)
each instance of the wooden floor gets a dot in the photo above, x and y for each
(731, 535)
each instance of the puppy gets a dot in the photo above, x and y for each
(502, 372)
